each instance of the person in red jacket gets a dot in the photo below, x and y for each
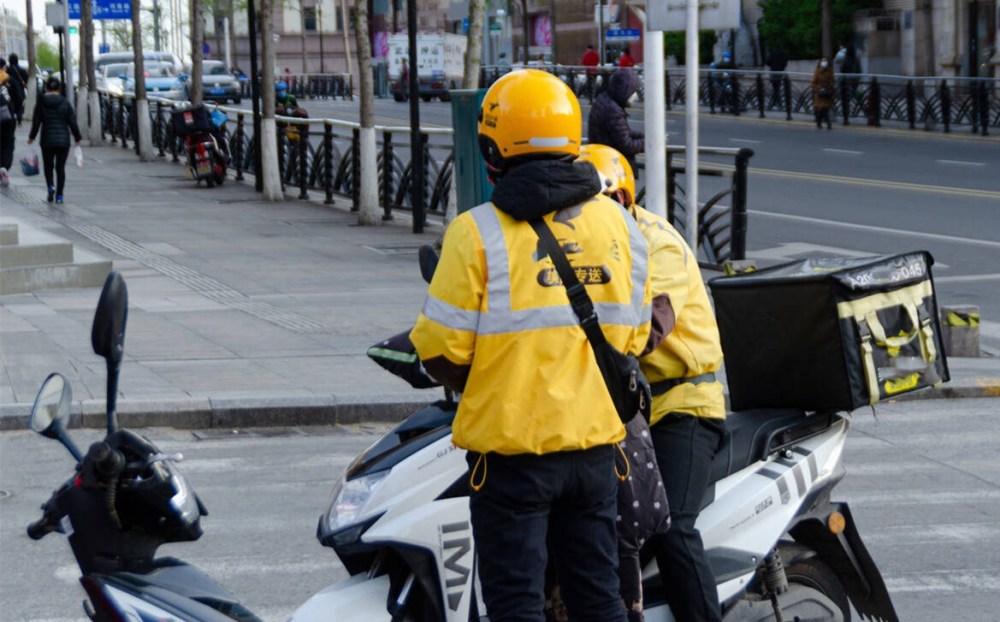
(626, 60)
(590, 60)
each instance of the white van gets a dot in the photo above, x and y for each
(127, 57)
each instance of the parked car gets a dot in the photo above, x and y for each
(112, 78)
(161, 79)
(219, 83)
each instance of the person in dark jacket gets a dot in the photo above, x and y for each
(55, 117)
(11, 102)
(608, 120)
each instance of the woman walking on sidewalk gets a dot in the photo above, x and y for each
(55, 116)
(823, 89)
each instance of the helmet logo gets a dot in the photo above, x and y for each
(490, 120)
(493, 106)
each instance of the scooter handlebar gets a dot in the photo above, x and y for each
(40, 528)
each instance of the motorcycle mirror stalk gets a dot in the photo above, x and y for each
(108, 337)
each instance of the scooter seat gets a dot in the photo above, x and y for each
(749, 437)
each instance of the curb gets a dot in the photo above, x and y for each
(204, 414)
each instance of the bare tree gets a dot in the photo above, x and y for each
(826, 25)
(347, 41)
(268, 140)
(195, 85)
(82, 86)
(32, 91)
(474, 45)
(368, 196)
(144, 130)
(87, 59)
(302, 16)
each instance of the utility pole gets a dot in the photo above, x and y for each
(416, 140)
(86, 19)
(156, 25)
(267, 140)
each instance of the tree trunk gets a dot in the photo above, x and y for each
(474, 47)
(231, 20)
(827, 30)
(268, 140)
(302, 20)
(82, 86)
(197, 44)
(524, 30)
(93, 102)
(144, 130)
(30, 88)
(347, 40)
(368, 214)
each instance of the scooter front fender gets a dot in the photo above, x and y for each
(356, 598)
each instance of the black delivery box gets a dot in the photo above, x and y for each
(830, 333)
(191, 120)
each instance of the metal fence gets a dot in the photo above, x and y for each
(313, 85)
(319, 156)
(934, 103)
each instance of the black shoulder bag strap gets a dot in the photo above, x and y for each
(583, 307)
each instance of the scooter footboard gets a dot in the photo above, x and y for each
(847, 555)
(357, 598)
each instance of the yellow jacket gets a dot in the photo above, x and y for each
(693, 346)
(497, 309)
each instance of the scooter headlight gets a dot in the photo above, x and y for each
(349, 499)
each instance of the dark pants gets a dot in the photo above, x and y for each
(577, 490)
(823, 114)
(55, 156)
(685, 447)
(630, 580)
(7, 129)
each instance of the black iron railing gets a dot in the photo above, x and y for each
(313, 85)
(935, 103)
(722, 219)
(314, 155)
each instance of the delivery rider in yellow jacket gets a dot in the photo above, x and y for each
(688, 407)
(535, 415)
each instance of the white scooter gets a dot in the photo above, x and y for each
(399, 520)
(779, 547)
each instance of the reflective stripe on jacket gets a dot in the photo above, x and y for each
(496, 304)
(693, 346)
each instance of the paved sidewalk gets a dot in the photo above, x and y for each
(241, 312)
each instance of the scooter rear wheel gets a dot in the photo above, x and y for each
(816, 574)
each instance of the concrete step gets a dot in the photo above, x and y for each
(40, 260)
(8, 233)
(36, 278)
(21, 255)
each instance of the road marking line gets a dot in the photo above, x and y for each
(877, 183)
(844, 151)
(745, 140)
(960, 162)
(949, 581)
(881, 230)
(973, 278)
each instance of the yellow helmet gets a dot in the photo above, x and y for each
(614, 169)
(528, 112)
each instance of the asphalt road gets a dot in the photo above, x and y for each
(846, 192)
(923, 483)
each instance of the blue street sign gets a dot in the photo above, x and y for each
(621, 35)
(103, 48)
(465, 24)
(103, 9)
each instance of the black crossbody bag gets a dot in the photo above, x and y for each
(626, 383)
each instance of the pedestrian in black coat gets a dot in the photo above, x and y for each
(608, 120)
(55, 117)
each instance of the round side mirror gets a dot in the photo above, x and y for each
(51, 408)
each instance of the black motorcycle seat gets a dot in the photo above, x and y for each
(748, 437)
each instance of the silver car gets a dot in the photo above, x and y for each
(219, 84)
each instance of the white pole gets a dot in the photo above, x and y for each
(655, 120)
(691, 123)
